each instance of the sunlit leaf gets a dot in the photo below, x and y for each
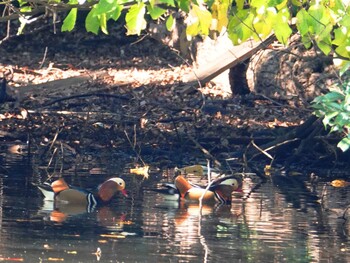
(143, 171)
(339, 183)
(344, 144)
(116, 13)
(92, 22)
(135, 19)
(302, 22)
(344, 49)
(281, 27)
(69, 21)
(220, 14)
(257, 3)
(155, 11)
(184, 5)
(268, 170)
(240, 4)
(240, 26)
(170, 23)
(199, 21)
(344, 67)
(105, 6)
(103, 23)
(26, 9)
(168, 2)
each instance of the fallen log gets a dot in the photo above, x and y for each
(226, 59)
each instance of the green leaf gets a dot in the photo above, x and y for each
(26, 9)
(155, 11)
(328, 117)
(168, 2)
(92, 22)
(116, 13)
(170, 23)
(200, 21)
(332, 96)
(302, 22)
(184, 5)
(240, 4)
(240, 26)
(274, 2)
(281, 26)
(135, 19)
(325, 46)
(103, 23)
(340, 36)
(344, 144)
(257, 3)
(344, 49)
(319, 16)
(342, 119)
(344, 68)
(105, 6)
(219, 11)
(69, 21)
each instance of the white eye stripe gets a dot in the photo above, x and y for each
(232, 182)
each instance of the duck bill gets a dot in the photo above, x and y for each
(125, 193)
(239, 190)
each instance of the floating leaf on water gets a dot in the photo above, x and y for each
(268, 170)
(12, 259)
(141, 171)
(73, 252)
(128, 233)
(112, 236)
(339, 183)
(55, 259)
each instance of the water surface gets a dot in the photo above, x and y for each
(269, 224)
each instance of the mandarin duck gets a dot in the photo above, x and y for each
(220, 189)
(62, 193)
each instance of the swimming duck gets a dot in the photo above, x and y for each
(60, 192)
(220, 190)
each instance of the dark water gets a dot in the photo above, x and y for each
(272, 224)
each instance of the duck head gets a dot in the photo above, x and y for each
(110, 187)
(223, 187)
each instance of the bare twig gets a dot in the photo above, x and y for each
(205, 151)
(133, 144)
(44, 58)
(262, 151)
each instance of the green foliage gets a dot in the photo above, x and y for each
(135, 19)
(69, 21)
(334, 108)
(325, 23)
